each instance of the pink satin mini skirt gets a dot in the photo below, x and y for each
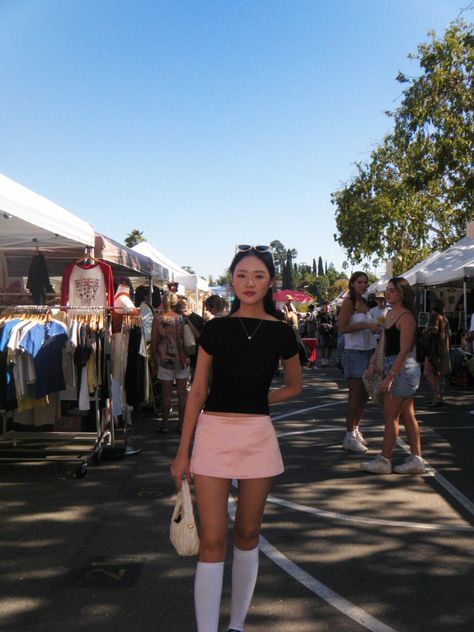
(236, 447)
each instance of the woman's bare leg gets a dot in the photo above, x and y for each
(166, 390)
(392, 407)
(412, 429)
(356, 403)
(182, 391)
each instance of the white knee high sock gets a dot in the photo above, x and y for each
(207, 595)
(244, 577)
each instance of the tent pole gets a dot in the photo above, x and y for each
(150, 289)
(464, 289)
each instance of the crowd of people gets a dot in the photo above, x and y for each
(224, 423)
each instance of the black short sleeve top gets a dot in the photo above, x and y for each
(243, 369)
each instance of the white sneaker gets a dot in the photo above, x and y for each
(379, 465)
(412, 465)
(352, 444)
(360, 438)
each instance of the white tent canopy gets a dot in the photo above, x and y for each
(413, 275)
(28, 220)
(190, 281)
(453, 264)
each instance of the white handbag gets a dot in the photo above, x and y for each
(189, 340)
(183, 530)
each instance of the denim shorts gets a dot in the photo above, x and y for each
(407, 380)
(169, 375)
(355, 362)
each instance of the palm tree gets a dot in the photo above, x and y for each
(134, 237)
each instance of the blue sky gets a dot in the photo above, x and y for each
(203, 123)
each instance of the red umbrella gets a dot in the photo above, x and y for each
(296, 296)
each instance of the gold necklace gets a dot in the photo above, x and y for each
(250, 336)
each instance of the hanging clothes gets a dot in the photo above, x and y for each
(87, 285)
(4, 282)
(142, 293)
(38, 279)
(135, 372)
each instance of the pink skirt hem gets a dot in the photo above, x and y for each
(236, 447)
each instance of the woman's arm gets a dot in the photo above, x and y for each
(406, 325)
(194, 403)
(347, 310)
(196, 332)
(293, 381)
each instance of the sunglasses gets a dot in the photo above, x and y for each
(247, 247)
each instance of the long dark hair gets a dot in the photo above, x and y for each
(267, 259)
(408, 298)
(352, 294)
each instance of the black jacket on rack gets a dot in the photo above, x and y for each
(38, 279)
(142, 293)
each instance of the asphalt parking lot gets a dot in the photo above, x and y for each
(342, 550)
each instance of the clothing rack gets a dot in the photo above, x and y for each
(104, 434)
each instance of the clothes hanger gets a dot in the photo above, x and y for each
(87, 258)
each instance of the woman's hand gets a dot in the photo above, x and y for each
(386, 384)
(373, 327)
(371, 370)
(180, 468)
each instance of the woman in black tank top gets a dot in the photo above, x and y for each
(402, 377)
(234, 436)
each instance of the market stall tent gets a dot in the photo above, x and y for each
(192, 282)
(450, 266)
(29, 221)
(126, 261)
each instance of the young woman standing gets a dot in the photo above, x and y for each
(170, 362)
(234, 436)
(401, 382)
(359, 342)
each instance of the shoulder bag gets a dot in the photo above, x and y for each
(372, 385)
(189, 340)
(183, 530)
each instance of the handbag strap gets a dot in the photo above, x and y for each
(380, 352)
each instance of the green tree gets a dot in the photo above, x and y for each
(314, 270)
(320, 267)
(288, 271)
(417, 192)
(223, 279)
(279, 255)
(133, 238)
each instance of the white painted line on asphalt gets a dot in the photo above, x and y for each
(371, 430)
(332, 515)
(439, 478)
(455, 493)
(305, 410)
(316, 587)
(321, 590)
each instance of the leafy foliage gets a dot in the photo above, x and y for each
(417, 192)
(133, 238)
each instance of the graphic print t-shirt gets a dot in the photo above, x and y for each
(87, 285)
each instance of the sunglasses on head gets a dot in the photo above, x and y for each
(247, 247)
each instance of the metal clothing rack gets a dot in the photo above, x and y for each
(104, 434)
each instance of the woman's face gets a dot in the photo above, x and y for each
(392, 294)
(251, 280)
(360, 284)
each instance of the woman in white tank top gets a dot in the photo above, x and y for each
(359, 342)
